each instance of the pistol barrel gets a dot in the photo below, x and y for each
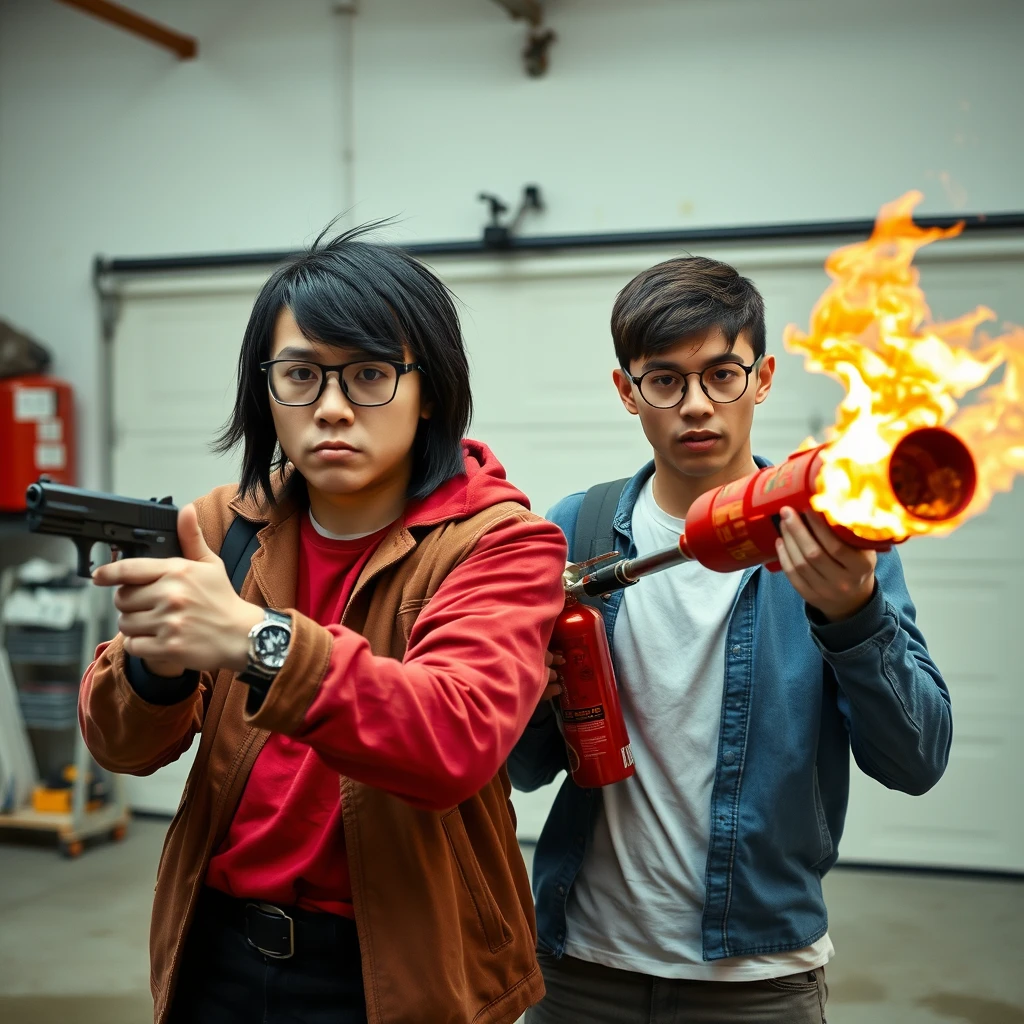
(131, 527)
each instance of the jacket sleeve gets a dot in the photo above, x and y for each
(891, 693)
(128, 733)
(434, 728)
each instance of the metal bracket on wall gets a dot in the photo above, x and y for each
(538, 38)
(498, 235)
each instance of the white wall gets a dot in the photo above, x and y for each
(658, 113)
(110, 145)
(655, 113)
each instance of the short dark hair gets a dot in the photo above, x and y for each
(682, 297)
(359, 294)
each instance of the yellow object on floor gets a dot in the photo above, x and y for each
(57, 801)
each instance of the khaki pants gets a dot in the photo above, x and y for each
(584, 993)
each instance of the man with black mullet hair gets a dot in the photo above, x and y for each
(345, 849)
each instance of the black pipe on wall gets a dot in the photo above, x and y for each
(974, 224)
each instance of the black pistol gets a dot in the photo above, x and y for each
(131, 527)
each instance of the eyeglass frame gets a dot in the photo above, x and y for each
(401, 370)
(699, 374)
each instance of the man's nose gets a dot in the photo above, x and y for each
(695, 402)
(333, 405)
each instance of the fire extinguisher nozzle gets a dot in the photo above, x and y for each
(932, 474)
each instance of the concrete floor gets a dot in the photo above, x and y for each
(910, 949)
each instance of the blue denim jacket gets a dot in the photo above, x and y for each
(799, 694)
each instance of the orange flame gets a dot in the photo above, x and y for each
(873, 331)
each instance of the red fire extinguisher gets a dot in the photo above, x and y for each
(931, 472)
(37, 435)
(592, 723)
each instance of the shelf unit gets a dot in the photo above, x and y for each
(72, 649)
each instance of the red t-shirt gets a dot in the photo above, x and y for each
(286, 844)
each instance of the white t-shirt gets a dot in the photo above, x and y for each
(638, 900)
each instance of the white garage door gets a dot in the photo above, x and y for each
(537, 329)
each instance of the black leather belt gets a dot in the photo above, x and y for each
(281, 932)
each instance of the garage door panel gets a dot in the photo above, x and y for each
(951, 608)
(545, 351)
(178, 465)
(176, 362)
(541, 356)
(954, 289)
(540, 360)
(962, 822)
(549, 464)
(988, 541)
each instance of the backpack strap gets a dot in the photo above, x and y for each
(240, 544)
(595, 529)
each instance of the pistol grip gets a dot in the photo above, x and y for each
(84, 557)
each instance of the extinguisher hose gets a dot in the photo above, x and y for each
(627, 571)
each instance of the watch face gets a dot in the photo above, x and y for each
(271, 645)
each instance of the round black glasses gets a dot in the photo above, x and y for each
(723, 383)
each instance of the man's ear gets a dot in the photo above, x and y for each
(427, 405)
(765, 375)
(624, 386)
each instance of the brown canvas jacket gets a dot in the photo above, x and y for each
(442, 901)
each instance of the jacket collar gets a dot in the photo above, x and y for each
(274, 565)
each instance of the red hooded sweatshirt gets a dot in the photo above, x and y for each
(431, 729)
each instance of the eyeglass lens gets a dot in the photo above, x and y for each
(722, 383)
(368, 383)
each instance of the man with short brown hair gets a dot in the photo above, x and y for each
(691, 892)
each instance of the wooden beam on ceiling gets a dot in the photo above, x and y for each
(186, 47)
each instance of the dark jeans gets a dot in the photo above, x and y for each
(580, 992)
(224, 980)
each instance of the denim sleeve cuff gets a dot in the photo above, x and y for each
(837, 637)
(155, 689)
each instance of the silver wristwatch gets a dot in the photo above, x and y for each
(269, 641)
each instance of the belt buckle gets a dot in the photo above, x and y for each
(269, 908)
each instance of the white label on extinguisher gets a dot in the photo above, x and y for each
(34, 404)
(50, 430)
(51, 456)
(627, 756)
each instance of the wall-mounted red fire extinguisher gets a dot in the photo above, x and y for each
(592, 723)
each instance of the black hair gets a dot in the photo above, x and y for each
(680, 298)
(358, 294)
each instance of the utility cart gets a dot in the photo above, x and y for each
(41, 668)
